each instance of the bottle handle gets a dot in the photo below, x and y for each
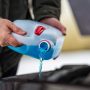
(24, 39)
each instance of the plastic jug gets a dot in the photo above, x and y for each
(41, 40)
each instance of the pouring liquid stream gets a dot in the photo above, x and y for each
(40, 68)
(43, 47)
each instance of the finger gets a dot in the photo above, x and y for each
(4, 44)
(1, 44)
(55, 23)
(12, 41)
(15, 29)
(62, 29)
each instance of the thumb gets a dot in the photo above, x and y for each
(16, 29)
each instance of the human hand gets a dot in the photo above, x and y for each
(55, 23)
(6, 28)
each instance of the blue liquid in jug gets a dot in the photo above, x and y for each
(33, 51)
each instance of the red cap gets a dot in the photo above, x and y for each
(39, 30)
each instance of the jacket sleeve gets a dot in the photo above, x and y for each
(46, 8)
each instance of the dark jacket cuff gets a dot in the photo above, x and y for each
(46, 12)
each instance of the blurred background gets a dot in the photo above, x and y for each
(75, 15)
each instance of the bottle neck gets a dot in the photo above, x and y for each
(45, 45)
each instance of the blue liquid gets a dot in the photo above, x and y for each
(43, 51)
(33, 51)
(40, 69)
